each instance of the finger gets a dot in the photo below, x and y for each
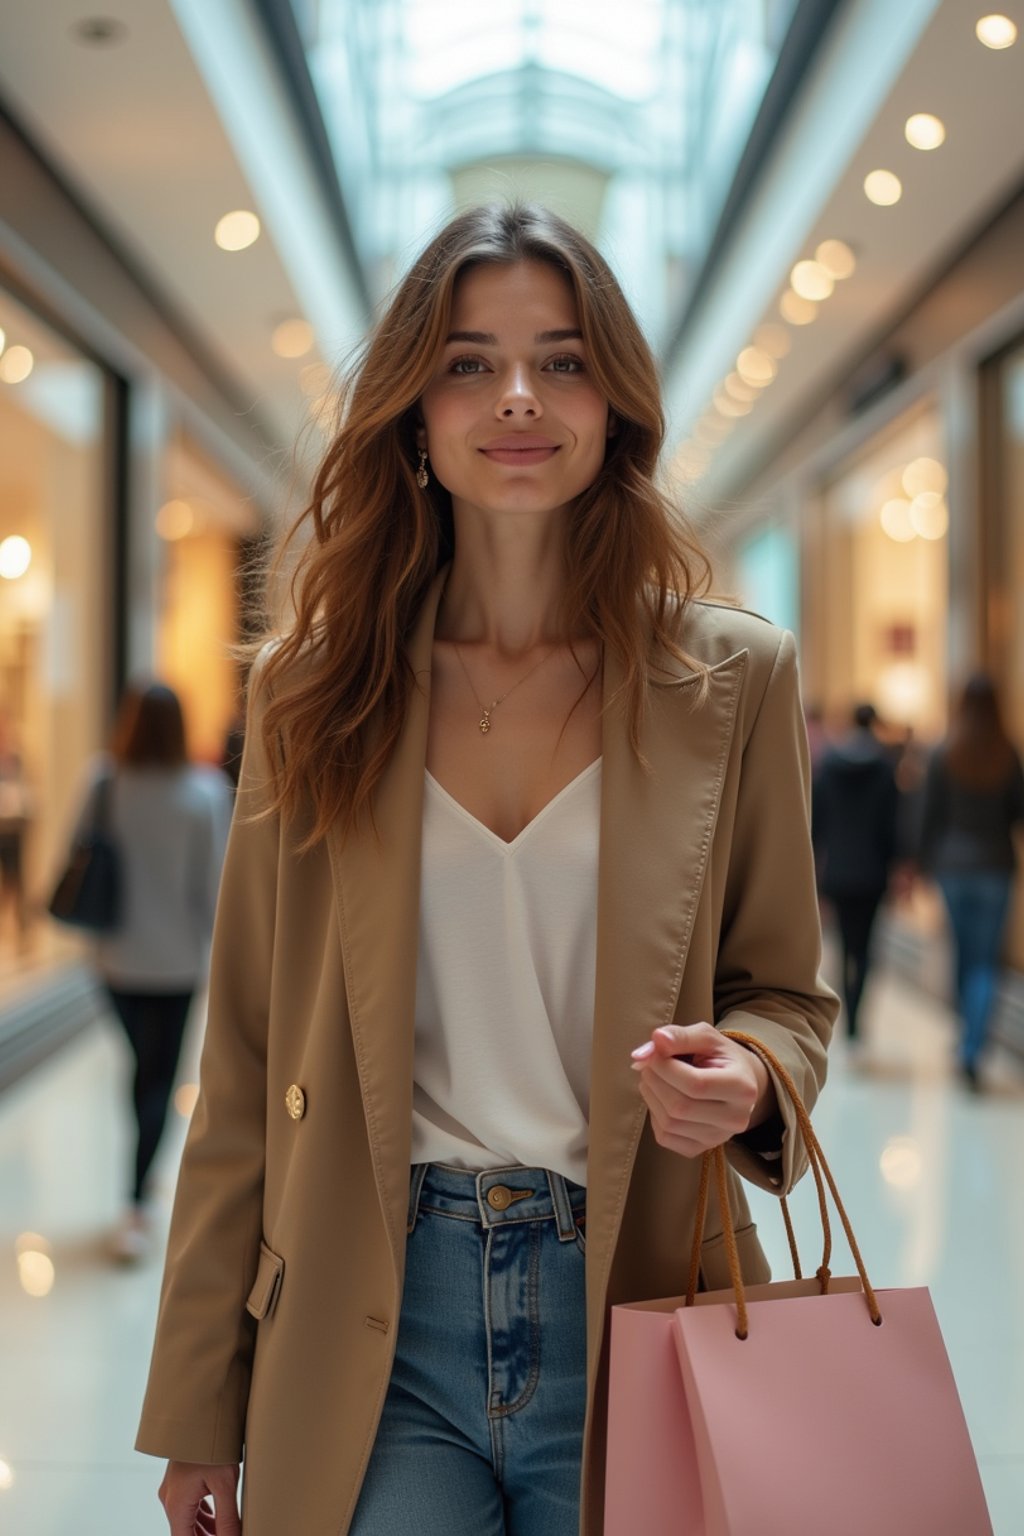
(227, 1522)
(699, 1084)
(686, 1039)
(670, 1119)
(686, 1146)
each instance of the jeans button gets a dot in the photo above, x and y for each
(499, 1198)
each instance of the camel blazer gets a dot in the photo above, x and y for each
(283, 1283)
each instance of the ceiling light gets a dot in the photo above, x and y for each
(837, 259)
(811, 281)
(175, 520)
(15, 557)
(36, 1273)
(725, 405)
(756, 367)
(16, 365)
(883, 188)
(896, 521)
(236, 231)
(924, 475)
(773, 339)
(996, 31)
(740, 389)
(292, 338)
(796, 310)
(929, 515)
(924, 131)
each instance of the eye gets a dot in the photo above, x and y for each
(566, 362)
(465, 367)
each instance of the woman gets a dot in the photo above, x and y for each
(169, 823)
(973, 799)
(515, 805)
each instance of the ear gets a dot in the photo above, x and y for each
(613, 424)
(421, 436)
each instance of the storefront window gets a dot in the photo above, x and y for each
(883, 614)
(880, 610)
(204, 524)
(54, 615)
(1009, 662)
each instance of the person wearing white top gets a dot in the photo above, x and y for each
(522, 821)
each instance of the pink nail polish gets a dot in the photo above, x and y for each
(643, 1050)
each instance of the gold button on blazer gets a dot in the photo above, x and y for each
(706, 909)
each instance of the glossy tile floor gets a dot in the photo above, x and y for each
(932, 1179)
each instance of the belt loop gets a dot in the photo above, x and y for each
(419, 1173)
(562, 1207)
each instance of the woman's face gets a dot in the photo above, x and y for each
(513, 422)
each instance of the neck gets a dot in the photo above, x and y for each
(504, 590)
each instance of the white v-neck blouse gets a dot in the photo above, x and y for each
(505, 985)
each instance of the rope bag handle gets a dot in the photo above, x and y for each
(713, 1162)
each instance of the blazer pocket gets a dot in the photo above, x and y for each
(714, 1262)
(267, 1285)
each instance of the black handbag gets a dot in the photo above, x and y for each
(88, 893)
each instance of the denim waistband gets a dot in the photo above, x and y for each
(497, 1197)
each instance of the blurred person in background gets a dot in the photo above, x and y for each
(855, 810)
(973, 799)
(168, 820)
(15, 819)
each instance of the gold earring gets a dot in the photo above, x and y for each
(422, 478)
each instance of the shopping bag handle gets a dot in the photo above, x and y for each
(714, 1161)
(823, 1273)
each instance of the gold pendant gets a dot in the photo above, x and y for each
(485, 723)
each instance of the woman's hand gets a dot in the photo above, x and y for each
(701, 1088)
(186, 1491)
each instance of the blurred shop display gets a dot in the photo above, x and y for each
(54, 596)
(882, 592)
(205, 524)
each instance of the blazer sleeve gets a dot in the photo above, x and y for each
(767, 978)
(198, 1386)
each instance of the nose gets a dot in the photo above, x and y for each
(517, 397)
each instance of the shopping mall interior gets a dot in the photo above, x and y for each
(816, 211)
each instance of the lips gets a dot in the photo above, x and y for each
(519, 450)
(522, 442)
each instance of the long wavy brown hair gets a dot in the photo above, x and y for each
(979, 754)
(338, 682)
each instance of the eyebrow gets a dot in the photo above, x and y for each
(487, 339)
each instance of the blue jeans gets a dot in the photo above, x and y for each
(978, 904)
(482, 1427)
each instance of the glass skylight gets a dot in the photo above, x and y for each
(611, 44)
(427, 102)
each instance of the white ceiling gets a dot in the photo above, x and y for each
(949, 194)
(133, 130)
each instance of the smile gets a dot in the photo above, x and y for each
(520, 451)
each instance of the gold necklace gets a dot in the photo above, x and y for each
(486, 710)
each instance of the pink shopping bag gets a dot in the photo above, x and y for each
(791, 1409)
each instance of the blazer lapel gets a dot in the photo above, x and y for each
(656, 833)
(377, 889)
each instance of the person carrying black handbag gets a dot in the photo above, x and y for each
(150, 840)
